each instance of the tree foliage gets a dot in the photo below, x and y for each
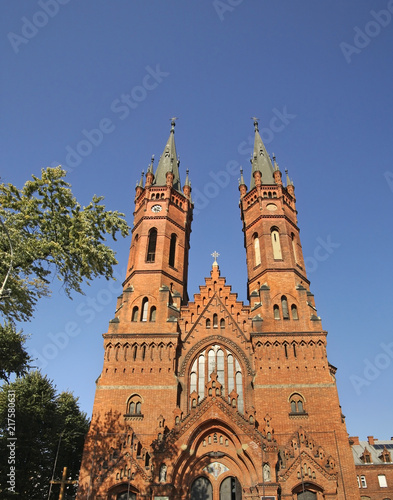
(52, 235)
(45, 422)
(13, 355)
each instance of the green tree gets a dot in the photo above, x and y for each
(13, 355)
(52, 235)
(46, 233)
(45, 423)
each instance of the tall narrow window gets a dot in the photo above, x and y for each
(134, 250)
(145, 306)
(257, 250)
(153, 313)
(151, 246)
(172, 250)
(276, 244)
(284, 307)
(294, 247)
(135, 313)
(276, 311)
(294, 312)
(215, 321)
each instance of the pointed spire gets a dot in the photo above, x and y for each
(187, 186)
(141, 181)
(242, 184)
(241, 180)
(289, 182)
(187, 183)
(260, 160)
(169, 161)
(150, 167)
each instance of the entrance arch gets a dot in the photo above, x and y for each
(307, 495)
(230, 489)
(201, 489)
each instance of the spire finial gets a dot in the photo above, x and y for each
(215, 254)
(255, 123)
(173, 123)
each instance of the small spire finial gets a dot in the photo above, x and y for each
(173, 123)
(255, 122)
(215, 254)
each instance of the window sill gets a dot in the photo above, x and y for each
(298, 414)
(133, 416)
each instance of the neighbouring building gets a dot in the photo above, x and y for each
(213, 398)
(374, 467)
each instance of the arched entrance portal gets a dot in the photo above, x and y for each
(201, 489)
(230, 489)
(307, 495)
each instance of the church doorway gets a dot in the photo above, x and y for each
(307, 495)
(201, 489)
(126, 496)
(230, 489)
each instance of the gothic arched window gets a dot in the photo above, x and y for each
(257, 250)
(275, 236)
(218, 360)
(153, 313)
(135, 313)
(172, 250)
(145, 306)
(294, 312)
(284, 307)
(134, 405)
(151, 246)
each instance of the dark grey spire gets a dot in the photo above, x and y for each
(260, 160)
(169, 162)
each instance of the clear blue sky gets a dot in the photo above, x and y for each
(319, 77)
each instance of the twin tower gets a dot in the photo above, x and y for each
(214, 399)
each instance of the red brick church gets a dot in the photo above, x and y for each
(214, 399)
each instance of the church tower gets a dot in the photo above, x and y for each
(214, 399)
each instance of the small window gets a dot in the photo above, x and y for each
(145, 306)
(294, 312)
(257, 250)
(215, 321)
(382, 481)
(222, 323)
(172, 250)
(297, 403)
(134, 406)
(153, 314)
(363, 481)
(275, 237)
(284, 307)
(151, 246)
(208, 323)
(135, 313)
(276, 311)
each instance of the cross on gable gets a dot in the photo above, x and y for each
(215, 255)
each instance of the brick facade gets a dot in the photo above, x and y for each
(214, 398)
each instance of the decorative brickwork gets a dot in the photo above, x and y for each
(238, 400)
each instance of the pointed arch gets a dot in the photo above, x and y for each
(284, 307)
(145, 307)
(276, 244)
(172, 250)
(257, 250)
(153, 310)
(151, 245)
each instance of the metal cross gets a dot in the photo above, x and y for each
(215, 255)
(63, 483)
